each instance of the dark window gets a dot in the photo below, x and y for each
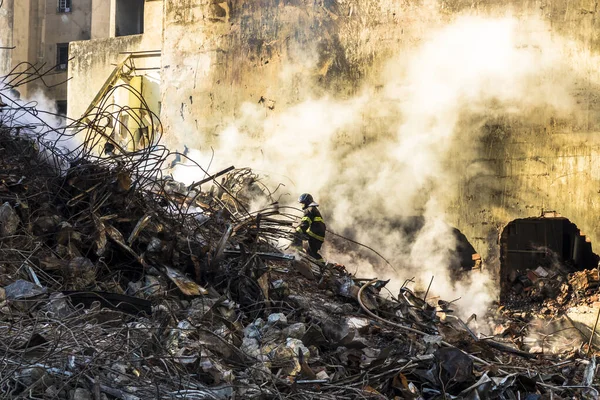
(62, 56)
(143, 137)
(64, 6)
(61, 107)
(129, 17)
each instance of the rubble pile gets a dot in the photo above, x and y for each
(117, 283)
(550, 291)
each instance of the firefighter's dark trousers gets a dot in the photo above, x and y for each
(314, 245)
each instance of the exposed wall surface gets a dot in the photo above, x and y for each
(93, 62)
(530, 171)
(531, 168)
(234, 51)
(219, 55)
(25, 32)
(101, 19)
(6, 37)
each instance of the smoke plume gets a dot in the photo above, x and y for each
(390, 152)
(36, 118)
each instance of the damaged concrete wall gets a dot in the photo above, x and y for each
(529, 171)
(532, 167)
(93, 62)
(218, 55)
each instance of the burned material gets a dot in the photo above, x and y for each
(119, 283)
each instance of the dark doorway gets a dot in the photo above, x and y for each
(129, 17)
(552, 244)
(467, 257)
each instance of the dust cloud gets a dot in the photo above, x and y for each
(391, 151)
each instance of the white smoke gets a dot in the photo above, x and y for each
(36, 117)
(393, 152)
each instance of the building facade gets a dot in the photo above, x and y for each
(6, 36)
(40, 33)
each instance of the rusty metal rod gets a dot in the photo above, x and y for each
(593, 332)
(210, 178)
(428, 287)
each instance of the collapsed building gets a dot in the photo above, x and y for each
(523, 205)
(120, 283)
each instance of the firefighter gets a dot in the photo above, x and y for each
(312, 227)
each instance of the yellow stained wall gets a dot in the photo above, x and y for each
(218, 55)
(152, 91)
(128, 127)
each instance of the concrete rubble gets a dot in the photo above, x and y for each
(117, 284)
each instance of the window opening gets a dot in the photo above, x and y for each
(61, 107)
(129, 17)
(62, 56)
(64, 6)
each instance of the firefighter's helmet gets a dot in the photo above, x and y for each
(305, 199)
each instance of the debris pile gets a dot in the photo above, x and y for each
(121, 284)
(550, 291)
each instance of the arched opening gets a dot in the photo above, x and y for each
(533, 249)
(467, 257)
